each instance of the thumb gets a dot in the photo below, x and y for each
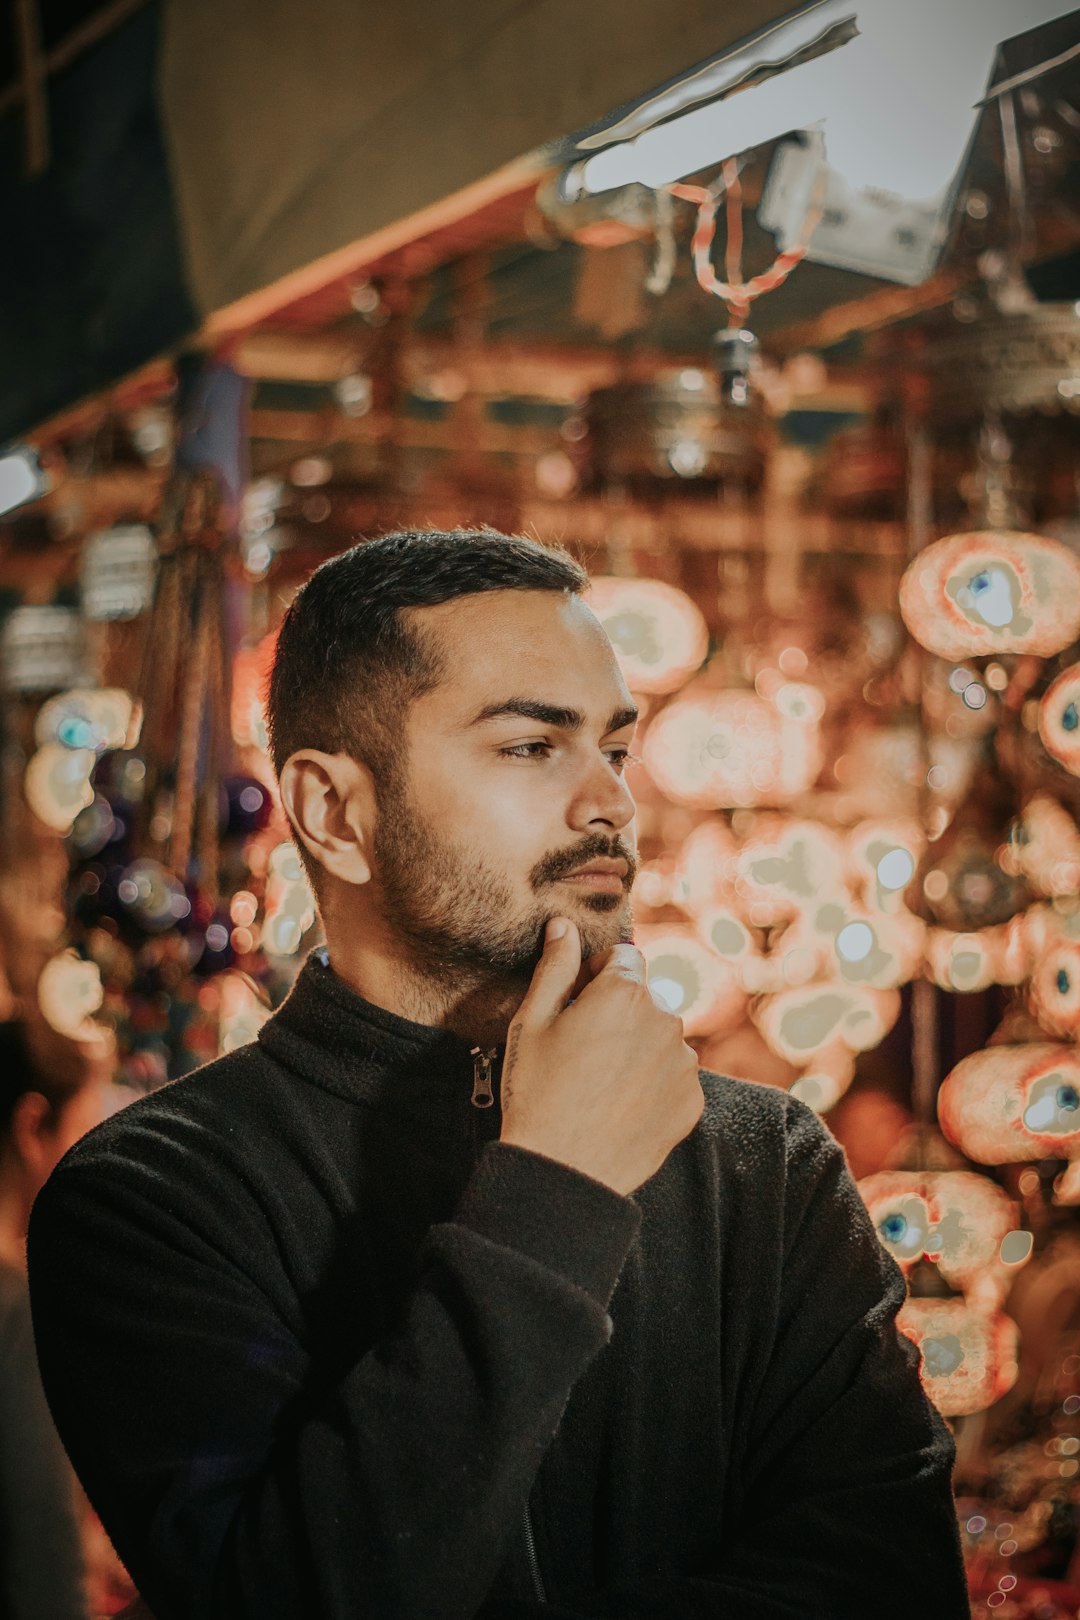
(555, 975)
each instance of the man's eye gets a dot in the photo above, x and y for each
(618, 757)
(525, 751)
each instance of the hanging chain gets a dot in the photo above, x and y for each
(736, 293)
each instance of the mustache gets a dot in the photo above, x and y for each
(561, 863)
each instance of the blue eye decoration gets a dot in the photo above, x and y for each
(979, 583)
(1068, 1098)
(894, 1228)
(1070, 719)
(75, 732)
(1064, 983)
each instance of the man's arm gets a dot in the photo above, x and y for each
(238, 1479)
(848, 1513)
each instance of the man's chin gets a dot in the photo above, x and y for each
(601, 932)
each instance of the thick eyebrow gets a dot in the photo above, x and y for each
(550, 714)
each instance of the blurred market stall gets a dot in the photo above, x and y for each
(786, 349)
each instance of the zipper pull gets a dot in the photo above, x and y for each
(482, 1094)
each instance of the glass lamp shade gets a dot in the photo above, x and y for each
(57, 784)
(69, 992)
(659, 635)
(689, 979)
(1009, 1104)
(802, 1022)
(729, 749)
(992, 592)
(955, 1218)
(969, 1355)
(1059, 719)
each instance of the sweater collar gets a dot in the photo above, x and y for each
(329, 1035)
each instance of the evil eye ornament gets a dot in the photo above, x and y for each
(989, 592)
(659, 635)
(1045, 845)
(824, 1081)
(704, 867)
(962, 1222)
(968, 1354)
(1009, 1104)
(901, 1219)
(786, 868)
(1054, 991)
(57, 784)
(1059, 719)
(95, 718)
(802, 1023)
(69, 992)
(688, 979)
(719, 750)
(883, 857)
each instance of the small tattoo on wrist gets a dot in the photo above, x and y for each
(509, 1061)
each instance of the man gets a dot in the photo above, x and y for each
(461, 1293)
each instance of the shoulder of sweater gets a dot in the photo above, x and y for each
(774, 1151)
(209, 1102)
(747, 1106)
(766, 1137)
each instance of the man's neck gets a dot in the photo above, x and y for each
(479, 1009)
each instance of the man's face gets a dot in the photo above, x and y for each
(514, 781)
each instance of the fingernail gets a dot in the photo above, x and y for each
(556, 928)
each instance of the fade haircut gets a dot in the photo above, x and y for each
(349, 663)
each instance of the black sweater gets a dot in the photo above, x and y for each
(321, 1349)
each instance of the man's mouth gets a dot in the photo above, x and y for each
(606, 876)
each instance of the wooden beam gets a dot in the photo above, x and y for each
(523, 174)
(313, 430)
(80, 39)
(154, 381)
(33, 87)
(501, 369)
(307, 357)
(879, 308)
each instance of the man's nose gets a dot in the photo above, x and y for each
(603, 798)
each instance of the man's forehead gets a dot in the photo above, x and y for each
(506, 643)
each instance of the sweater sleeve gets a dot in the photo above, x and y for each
(849, 1510)
(237, 1479)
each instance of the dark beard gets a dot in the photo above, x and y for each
(456, 922)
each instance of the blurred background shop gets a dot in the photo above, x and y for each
(772, 318)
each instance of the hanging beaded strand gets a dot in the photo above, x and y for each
(736, 293)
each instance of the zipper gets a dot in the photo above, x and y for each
(534, 1562)
(483, 1095)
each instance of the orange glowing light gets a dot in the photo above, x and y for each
(659, 635)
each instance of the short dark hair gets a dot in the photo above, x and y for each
(348, 664)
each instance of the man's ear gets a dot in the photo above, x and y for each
(330, 800)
